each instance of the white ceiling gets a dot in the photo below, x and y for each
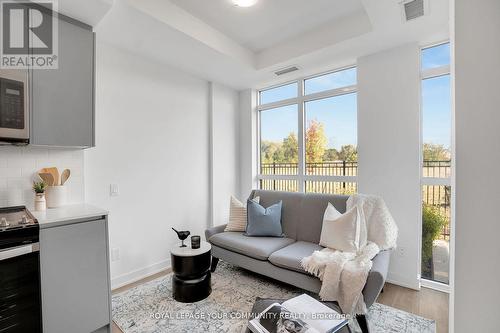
(87, 11)
(269, 22)
(242, 47)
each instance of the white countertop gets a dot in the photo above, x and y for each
(66, 215)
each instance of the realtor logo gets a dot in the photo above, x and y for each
(29, 34)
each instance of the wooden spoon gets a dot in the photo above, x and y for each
(65, 175)
(55, 174)
(47, 178)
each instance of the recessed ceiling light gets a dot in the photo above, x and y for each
(245, 3)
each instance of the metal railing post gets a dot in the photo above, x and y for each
(343, 173)
(274, 172)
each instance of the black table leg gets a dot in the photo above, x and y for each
(363, 323)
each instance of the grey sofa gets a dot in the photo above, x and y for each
(279, 258)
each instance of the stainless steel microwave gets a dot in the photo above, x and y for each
(14, 110)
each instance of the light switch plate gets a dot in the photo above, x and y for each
(114, 191)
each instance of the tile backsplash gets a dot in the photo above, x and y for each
(19, 165)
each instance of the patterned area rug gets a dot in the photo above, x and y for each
(150, 308)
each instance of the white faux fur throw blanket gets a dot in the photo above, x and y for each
(344, 274)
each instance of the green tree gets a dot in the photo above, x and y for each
(432, 225)
(269, 150)
(348, 153)
(315, 142)
(280, 152)
(331, 154)
(436, 152)
(290, 148)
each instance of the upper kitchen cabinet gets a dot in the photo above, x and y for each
(62, 100)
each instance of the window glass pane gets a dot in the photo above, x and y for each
(436, 109)
(436, 56)
(330, 81)
(279, 93)
(278, 141)
(436, 213)
(279, 185)
(346, 188)
(331, 136)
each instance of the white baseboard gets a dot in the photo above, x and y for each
(139, 274)
(399, 280)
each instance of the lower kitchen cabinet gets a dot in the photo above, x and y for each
(75, 277)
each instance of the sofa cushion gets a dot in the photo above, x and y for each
(256, 247)
(312, 212)
(344, 232)
(302, 215)
(290, 256)
(290, 202)
(264, 222)
(238, 215)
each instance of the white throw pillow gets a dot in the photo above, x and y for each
(238, 215)
(344, 232)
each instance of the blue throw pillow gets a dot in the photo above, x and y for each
(263, 221)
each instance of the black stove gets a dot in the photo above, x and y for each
(17, 227)
(20, 296)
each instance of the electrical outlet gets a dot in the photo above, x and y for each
(114, 190)
(401, 251)
(115, 254)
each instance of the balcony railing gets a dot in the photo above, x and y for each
(436, 195)
(336, 168)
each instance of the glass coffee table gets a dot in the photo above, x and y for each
(262, 303)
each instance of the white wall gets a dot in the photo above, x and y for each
(153, 142)
(224, 106)
(248, 142)
(389, 147)
(19, 165)
(477, 222)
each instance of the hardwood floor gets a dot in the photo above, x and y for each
(427, 303)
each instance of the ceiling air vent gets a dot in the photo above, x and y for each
(286, 70)
(414, 9)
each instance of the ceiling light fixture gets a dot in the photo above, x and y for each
(245, 3)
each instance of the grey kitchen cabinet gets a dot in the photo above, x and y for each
(62, 99)
(75, 281)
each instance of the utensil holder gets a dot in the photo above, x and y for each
(56, 196)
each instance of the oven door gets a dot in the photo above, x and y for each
(14, 114)
(20, 296)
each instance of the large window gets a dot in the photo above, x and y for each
(436, 168)
(308, 134)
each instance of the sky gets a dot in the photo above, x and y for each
(436, 98)
(436, 111)
(338, 114)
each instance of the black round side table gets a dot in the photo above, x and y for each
(191, 281)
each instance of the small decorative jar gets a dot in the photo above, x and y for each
(195, 242)
(40, 203)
